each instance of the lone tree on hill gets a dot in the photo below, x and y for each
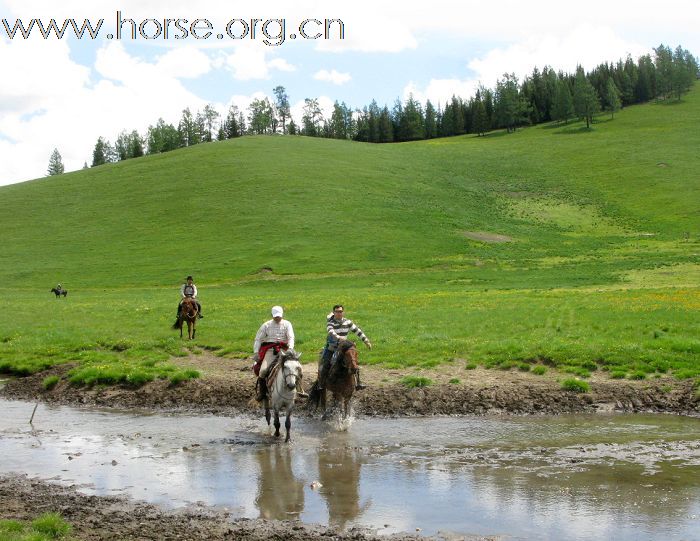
(55, 164)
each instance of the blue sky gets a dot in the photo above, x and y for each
(65, 93)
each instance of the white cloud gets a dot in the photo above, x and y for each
(332, 76)
(249, 61)
(585, 44)
(72, 111)
(324, 102)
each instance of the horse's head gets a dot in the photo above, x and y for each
(189, 308)
(349, 354)
(291, 368)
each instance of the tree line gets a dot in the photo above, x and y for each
(542, 96)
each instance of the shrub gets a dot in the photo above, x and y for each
(638, 374)
(179, 377)
(470, 366)
(138, 378)
(454, 381)
(589, 365)
(685, 373)
(523, 367)
(539, 370)
(416, 381)
(618, 374)
(575, 385)
(578, 371)
(50, 382)
(506, 365)
(52, 525)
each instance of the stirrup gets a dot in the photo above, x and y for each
(360, 386)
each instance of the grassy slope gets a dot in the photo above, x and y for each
(599, 270)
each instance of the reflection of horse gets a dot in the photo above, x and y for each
(59, 292)
(339, 470)
(282, 388)
(189, 314)
(280, 493)
(340, 380)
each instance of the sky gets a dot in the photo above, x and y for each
(65, 93)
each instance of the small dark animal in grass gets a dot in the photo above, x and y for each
(188, 314)
(340, 381)
(59, 292)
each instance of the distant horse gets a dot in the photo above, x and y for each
(188, 313)
(340, 380)
(59, 292)
(282, 388)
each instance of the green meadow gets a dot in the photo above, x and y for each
(555, 245)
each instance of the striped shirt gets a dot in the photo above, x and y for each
(271, 331)
(338, 328)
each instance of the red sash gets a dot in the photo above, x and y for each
(276, 347)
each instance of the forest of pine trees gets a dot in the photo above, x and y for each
(543, 96)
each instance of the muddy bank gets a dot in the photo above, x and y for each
(107, 518)
(227, 386)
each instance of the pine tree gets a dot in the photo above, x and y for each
(283, 109)
(55, 164)
(430, 121)
(586, 103)
(612, 96)
(480, 124)
(563, 108)
(99, 156)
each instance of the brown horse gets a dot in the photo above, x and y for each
(189, 314)
(59, 292)
(340, 381)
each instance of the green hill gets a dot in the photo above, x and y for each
(554, 243)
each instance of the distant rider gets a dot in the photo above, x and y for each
(189, 290)
(338, 327)
(275, 335)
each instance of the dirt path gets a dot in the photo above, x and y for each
(226, 385)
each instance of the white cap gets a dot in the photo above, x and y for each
(277, 311)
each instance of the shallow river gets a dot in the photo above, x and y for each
(567, 477)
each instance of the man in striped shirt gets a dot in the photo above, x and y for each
(338, 328)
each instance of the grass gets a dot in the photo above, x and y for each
(575, 385)
(50, 382)
(600, 272)
(46, 527)
(416, 381)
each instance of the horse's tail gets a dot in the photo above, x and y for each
(177, 324)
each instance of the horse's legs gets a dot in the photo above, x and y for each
(322, 401)
(180, 328)
(288, 423)
(266, 401)
(277, 423)
(194, 329)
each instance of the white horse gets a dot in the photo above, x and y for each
(282, 388)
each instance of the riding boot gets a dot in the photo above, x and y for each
(359, 385)
(260, 389)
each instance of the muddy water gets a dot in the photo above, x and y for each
(567, 477)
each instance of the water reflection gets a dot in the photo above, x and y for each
(569, 477)
(339, 470)
(280, 493)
